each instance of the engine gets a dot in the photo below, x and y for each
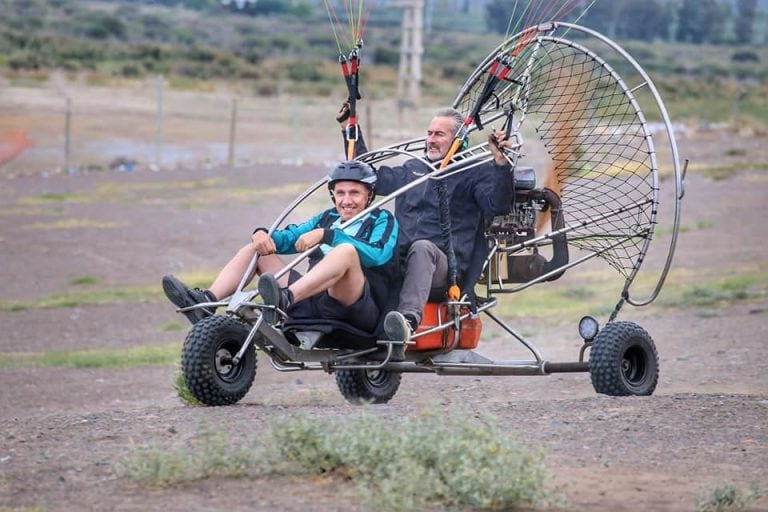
(519, 224)
(505, 232)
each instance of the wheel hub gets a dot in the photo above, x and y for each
(223, 361)
(632, 365)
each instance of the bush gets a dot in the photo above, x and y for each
(98, 25)
(267, 88)
(185, 395)
(193, 70)
(252, 56)
(745, 56)
(728, 498)
(456, 72)
(155, 27)
(210, 455)
(383, 55)
(304, 71)
(203, 55)
(434, 459)
(131, 70)
(27, 60)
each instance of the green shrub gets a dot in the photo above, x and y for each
(438, 459)
(384, 55)
(728, 498)
(745, 56)
(210, 455)
(101, 25)
(252, 56)
(185, 395)
(433, 459)
(201, 55)
(304, 71)
(131, 70)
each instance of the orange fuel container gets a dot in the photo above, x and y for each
(437, 314)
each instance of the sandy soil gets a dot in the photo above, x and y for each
(63, 430)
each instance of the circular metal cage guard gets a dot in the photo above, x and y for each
(603, 160)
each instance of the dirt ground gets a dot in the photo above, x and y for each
(63, 430)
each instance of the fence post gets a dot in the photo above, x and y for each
(296, 130)
(67, 135)
(159, 122)
(232, 128)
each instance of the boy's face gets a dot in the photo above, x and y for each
(350, 198)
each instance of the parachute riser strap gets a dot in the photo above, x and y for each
(444, 215)
(350, 68)
(498, 71)
(444, 212)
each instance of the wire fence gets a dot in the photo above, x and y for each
(77, 128)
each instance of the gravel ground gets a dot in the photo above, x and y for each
(63, 430)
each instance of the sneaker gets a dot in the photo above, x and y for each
(273, 295)
(399, 327)
(182, 297)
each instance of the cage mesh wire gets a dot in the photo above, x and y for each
(602, 160)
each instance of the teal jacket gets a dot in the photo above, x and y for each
(374, 238)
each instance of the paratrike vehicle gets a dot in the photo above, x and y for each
(603, 136)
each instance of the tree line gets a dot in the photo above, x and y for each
(684, 21)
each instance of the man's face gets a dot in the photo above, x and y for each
(440, 135)
(350, 198)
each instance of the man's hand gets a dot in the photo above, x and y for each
(263, 243)
(309, 240)
(497, 142)
(343, 114)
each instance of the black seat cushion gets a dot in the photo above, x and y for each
(336, 334)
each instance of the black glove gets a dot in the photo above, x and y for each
(343, 114)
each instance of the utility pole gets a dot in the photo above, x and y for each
(411, 50)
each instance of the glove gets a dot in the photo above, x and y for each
(343, 114)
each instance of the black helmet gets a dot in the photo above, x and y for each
(352, 170)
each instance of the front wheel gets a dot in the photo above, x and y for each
(623, 361)
(206, 361)
(368, 386)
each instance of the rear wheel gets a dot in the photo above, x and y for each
(623, 361)
(206, 361)
(368, 386)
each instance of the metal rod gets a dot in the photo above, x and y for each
(513, 368)
(533, 242)
(248, 340)
(572, 367)
(530, 346)
(549, 274)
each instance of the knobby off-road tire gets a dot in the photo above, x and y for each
(623, 361)
(206, 361)
(368, 386)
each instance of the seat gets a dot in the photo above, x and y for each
(311, 333)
